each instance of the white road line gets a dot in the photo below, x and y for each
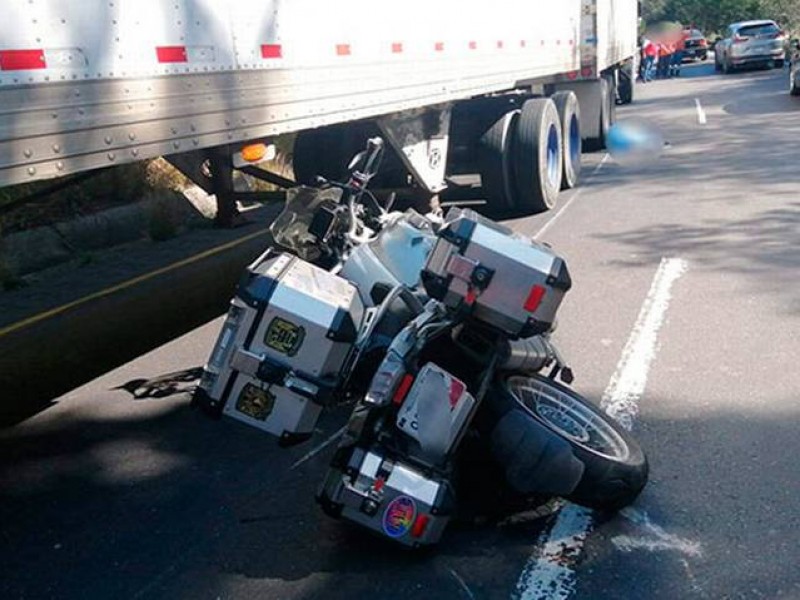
(569, 202)
(701, 114)
(621, 398)
(549, 574)
(319, 448)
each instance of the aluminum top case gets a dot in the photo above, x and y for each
(284, 348)
(504, 280)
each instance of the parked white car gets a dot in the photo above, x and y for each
(746, 43)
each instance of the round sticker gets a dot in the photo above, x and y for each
(399, 516)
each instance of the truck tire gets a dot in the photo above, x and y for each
(606, 101)
(569, 113)
(537, 156)
(612, 99)
(615, 468)
(625, 83)
(494, 158)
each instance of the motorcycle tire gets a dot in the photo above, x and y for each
(615, 467)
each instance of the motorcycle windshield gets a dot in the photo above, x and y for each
(291, 228)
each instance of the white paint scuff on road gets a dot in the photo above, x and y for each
(569, 202)
(621, 398)
(657, 539)
(462, 584)
(550, 574)
(701, 114)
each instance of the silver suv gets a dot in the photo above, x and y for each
(750, 43)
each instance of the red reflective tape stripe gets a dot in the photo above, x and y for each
(397, 48)
(439, 47)
(22, 60)
(171, 54)
(522, 43)
(500, 44)
(271, 51)
(534, 298)
(473, 45)
(343, 49)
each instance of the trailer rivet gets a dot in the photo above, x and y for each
(56, 148)
(31, 171)
(131, 136)
(176, 145)
(109, 139)
(135, 152)
(60, 166)
(112, 156)
(28, 153)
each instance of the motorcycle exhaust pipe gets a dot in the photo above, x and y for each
(531, 354)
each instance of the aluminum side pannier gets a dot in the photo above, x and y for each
(284, 348)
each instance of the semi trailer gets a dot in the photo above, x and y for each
(511, 90)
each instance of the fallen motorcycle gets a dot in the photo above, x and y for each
(437, 331)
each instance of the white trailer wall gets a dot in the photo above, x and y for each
(617, 30)
(91, 84)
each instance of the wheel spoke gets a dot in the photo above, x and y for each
(568, 415)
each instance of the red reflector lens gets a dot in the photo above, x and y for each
(535, 298)
(271, 51)
(22, 60)
(420, 525)
(171, 54)
(402, 389)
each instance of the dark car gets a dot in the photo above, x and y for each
(696, 45)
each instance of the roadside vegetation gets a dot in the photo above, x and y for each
(714, 17)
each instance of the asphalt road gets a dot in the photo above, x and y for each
(684, 318)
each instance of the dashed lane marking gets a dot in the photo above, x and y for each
(569, 202)
(701, 114)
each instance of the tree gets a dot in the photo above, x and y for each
(715, 15)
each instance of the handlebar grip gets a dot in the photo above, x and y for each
(374, 149)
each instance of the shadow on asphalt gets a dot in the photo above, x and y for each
(172, 504)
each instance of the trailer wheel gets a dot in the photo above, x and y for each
(606, 102)
(495, 157)
(569, 113)
(537, 156)
(625, 83)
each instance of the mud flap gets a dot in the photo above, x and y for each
(535, 459)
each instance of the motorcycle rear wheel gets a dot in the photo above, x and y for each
(615, 467)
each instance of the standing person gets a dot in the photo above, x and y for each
(664, 59)
(650, 52)
(677, 57)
